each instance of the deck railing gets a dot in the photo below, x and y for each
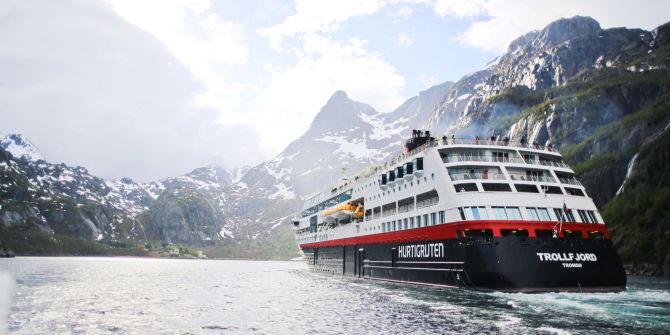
(476, 175)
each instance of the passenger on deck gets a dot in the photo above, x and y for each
(444, 139)
(477, 139)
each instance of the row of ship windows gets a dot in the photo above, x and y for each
(399, 188)
(418, 221)
(534, 213)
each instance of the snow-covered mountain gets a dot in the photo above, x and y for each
(20, 147)
(599, 93)
(344, 137)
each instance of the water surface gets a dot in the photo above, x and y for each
(160, 296)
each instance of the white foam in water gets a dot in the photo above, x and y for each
(552, 330)
(6, 293)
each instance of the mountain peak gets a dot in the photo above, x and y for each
(557, 32)
(568, 28)
(20, 147)
(339, 95)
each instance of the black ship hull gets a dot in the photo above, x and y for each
(510, 264)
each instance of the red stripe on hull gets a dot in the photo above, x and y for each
(448, 231)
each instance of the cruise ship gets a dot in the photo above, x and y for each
(482, 214)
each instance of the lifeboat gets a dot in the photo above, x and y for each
(339, 212)
(358, 213)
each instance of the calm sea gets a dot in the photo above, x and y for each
(159, 296)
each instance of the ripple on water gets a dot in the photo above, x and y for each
(137, 296)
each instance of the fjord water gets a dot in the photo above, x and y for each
(161, 296)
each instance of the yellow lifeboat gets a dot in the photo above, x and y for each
(358, 212)
(342, 212)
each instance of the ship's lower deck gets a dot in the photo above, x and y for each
(501, 263)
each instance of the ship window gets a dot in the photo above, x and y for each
(499, 213)
(377, 212)
(572, 234)
(538, 214)
(514, 232)
(433, 219)
(478, 233)
(574, 191)
(417, 164)
(399, 172)
(491, 187)
(404, 221)
(513, 213)
(544, 233)
(411, 222)
(312, 224)
(597, 235)
(418, 221)
(592, 215)
(583, 216)
(478, 213)
(467, 187)
(526, 188)
(441, 217)
(427, 199)
(564, 215)
(425, 220)
(551, 189)
(460, 211)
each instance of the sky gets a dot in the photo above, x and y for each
(149, 89)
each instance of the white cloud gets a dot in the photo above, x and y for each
(295, 93)
(318, 16)
(502, 21)
(198, 37)
(459, 8)
(90, 89)
(404, 12)
(404, 40)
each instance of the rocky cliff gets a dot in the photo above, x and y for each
(601, 95)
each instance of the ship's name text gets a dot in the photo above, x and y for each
(567, 257)
(421, 250)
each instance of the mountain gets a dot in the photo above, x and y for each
(20, 147)
(600, 95)
(344, 137)
(37, 197)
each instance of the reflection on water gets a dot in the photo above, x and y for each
(141, 296)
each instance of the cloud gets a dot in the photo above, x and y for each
(296, 92)
(198, 37)
(495, 23)
(90, 89)
(403, 12)
(459, 8)
(318, 16)
(404, 40)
